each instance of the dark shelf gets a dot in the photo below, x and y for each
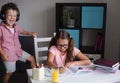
(90, 20)
(89, 49)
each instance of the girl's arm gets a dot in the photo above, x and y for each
(83, 60)
(50, 59)
(34, 34)
(50, 63)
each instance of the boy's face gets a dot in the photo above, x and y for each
(11, 16)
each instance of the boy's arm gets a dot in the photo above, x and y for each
(34, 34)
(3, 56)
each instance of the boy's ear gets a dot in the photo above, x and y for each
(18, 16)
(2, 16)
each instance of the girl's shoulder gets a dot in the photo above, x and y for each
(76, 49)
(53, 48)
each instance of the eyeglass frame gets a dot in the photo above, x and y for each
(60, 45)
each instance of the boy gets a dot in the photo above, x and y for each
(10, 48)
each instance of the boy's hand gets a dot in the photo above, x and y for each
(34, 34)
(4, 57)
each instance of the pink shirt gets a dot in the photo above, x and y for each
(9, 42)
(59, 59)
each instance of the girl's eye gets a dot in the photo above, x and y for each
(64, 45)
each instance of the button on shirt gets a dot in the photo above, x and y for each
(9, 42)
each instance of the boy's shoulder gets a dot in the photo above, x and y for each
(2, 25)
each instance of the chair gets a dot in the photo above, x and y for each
(27, 43)
(41, 48)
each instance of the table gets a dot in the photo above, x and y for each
(88, 77)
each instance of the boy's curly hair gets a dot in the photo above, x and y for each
(6, 7)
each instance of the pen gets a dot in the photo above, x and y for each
(80, 68)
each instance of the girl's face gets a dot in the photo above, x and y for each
(11, 16)
(62, 44)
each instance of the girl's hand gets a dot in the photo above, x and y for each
(62, 69)
(68, 64)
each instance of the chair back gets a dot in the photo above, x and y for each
(27, 43)
(41, 46)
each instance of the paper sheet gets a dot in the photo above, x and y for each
(71, 70)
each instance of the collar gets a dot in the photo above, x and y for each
(3, 24)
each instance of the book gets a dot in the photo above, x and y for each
(106, 67)
(98, 43)
(106, 62)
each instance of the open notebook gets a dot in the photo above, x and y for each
(71, 70)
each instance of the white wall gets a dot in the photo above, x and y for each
(39, 16)
(112, 47)
(36, 15)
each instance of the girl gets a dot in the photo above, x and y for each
(10, 48)
(62, 52)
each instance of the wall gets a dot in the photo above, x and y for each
(36, 15)
(39, 16)
(113, 31)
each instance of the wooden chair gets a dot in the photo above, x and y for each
(41, 49)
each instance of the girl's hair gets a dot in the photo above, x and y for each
(6, 7)
(64, 35)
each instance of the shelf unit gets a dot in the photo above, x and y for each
(87, 25)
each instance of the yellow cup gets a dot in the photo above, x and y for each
(55, 74)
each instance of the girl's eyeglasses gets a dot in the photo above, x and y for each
(64, 45)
